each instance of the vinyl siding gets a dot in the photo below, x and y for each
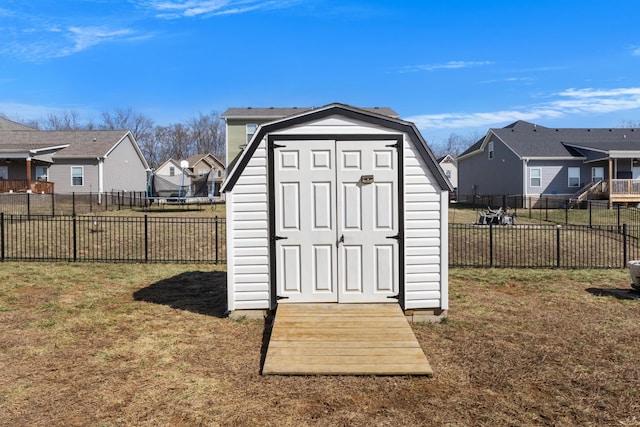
(425, 210)
(60, 174)
(423, 234)
(555, 177)
(123, 169)
(247, 237)
(498, 176)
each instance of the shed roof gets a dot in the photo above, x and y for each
(6, 124)
(346, 111)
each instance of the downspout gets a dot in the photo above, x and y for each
(610, 180)
(525, 194)
(28, 174)
(100, 179)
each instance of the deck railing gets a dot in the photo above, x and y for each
(625, 186)
(22, 186)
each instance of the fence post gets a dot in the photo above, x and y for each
(146, 238)
(491, 244)
(53, 205)
(2, 236)
(558, 245)
(75, 238)
(546, 208)
(529, 207)
(119, 201)
(90, 202)
(618, 218)
(73, 203)
(624, 245)
(216, 225)
(566, 212)
(590, 214)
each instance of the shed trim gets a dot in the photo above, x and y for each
(271, 139)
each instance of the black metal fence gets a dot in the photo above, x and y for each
(87, 203)
(111, 238)
(548, 246)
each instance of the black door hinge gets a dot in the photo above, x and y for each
(278, 297)
(397, 237)
(275, 238)
(396, 145)
(394, 297)
(274, 145)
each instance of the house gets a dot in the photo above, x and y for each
(70, 161)
(208, 174)
(339, 205)
(566, 163)
(174, 179)
(242, 123)
(450, 167)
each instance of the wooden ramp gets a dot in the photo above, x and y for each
(343, 339)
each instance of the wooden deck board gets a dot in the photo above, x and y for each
(343, 339)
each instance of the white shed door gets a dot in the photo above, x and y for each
(336, 213)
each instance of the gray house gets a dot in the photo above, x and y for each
(565, 163)
(70, 161)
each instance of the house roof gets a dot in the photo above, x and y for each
(71, 144)
(6, 124)
(273, 113)
(528, 140)
(337, 109)
(208, 158)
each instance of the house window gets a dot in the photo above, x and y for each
(202, 172)
(574, 177)
(77, 176)
(597, 174)
(42, 173)
(448, 174)
(172, 171)
(490, 149)
(535, 177)
(219, 173)
(251, 129)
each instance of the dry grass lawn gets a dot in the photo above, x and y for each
(147, 345)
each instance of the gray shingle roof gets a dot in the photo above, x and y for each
(529, 140)
(279, 113)
(89, 144)
(6, 124)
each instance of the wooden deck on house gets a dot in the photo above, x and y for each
(343, 339)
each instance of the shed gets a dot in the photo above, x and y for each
(340, 205)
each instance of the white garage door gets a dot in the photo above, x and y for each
(336, 214)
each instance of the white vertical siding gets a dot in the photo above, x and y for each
(248, 237)
(425, 267)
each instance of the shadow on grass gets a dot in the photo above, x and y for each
(618, 293)
(196, 291)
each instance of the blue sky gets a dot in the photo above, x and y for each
(449, 66)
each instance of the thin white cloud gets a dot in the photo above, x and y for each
(57, 42)
(173, 9)
(635, 51)
(568, 102)
(451, 65)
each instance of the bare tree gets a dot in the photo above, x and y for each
(207, 132)
(174, 140)
(68, 120)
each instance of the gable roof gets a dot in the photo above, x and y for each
(342, 110)
(6, 124)
(207, 158)
(529, 140)
(273, 113)
(88, 144)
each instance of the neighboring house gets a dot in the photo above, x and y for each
(173, 177)
(450, 167)
(209, 168)
(242, 123)
(567, 163)
(70, 161)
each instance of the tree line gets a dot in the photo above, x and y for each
(202, 134)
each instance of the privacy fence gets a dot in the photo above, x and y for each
(112, 238)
